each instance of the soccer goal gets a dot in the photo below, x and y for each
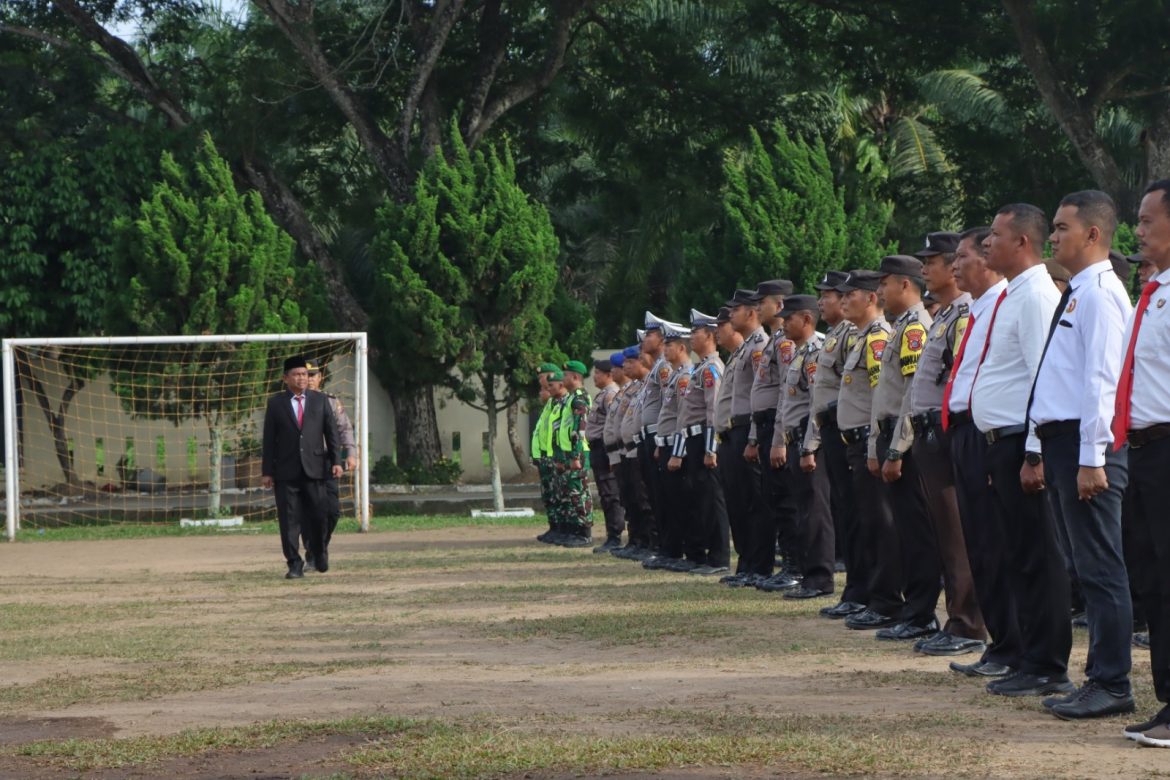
(162, 429)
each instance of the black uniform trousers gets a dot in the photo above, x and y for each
(1033, 562)
(811, 495)
(333, 508)
(873, 547)
(736, 478)
(650, 478)
(1093, 531)
(917, 550)
(985, 537)
(831, 456)
(639, 515)
(607, 490)
(301, 506)
(706, 538)
(672, 529)
(1147, 552)
(777, 523)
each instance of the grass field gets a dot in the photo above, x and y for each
(445, 647)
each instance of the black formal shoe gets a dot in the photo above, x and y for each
(707, 570)
(682, 566)
(981, 669)
(842, 609)
(1092, 700)
(577, 540)
(296, 570)
(608, 545)
(1080, 620)
(1025, 684)
(868, 619)
(749, 580)
(947, 644)
(625, 553)
(903, 632)
(655, 562)
(839, 567)
(321, 562)
(924, 641)
(1141, 639)
(777, 583)
(730, 578)
(806, 592)
(1136, 730)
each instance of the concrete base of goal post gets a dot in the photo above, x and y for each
(490, 513)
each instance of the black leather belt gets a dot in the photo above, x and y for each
(766, 417)
(740, 419)
(613, 447)
(998, 434)
(827, 418)
(796, 435)
(1140, 437)
(930, 419)
(1058, 428)
(855, 435)
(959, 418)
(887, 426)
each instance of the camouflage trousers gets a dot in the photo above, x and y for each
(547, 472)
(572, 499)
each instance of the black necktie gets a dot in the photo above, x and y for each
(1060, 307)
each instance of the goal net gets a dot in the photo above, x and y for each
(160, 429)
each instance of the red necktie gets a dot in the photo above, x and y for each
(300, 410)
(1125, 384)
(946, 402)
(986, 345)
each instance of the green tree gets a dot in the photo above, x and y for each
(202, 258)
(467, 271)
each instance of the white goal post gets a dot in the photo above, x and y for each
(105, 369)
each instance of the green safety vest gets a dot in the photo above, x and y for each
(571, 424)
(551, 426)
(540, 432)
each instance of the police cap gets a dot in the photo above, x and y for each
(860, 280)
(900, 265)
(830, 280)
(942, 243)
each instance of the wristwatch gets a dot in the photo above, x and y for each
(1033, 458)
(893, 455)
(805, 453)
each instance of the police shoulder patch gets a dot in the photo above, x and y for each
(664, 373)
(914, 337)
(877, 346)
(757, 356)
(708, 377)
(787, 350)
(684, 381)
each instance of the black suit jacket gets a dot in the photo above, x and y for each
(291, 453)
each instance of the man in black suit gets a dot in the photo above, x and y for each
(301, 451)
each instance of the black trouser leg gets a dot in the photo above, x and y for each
(875, 543)
(653, 484)
(607, 491)
(917, 549)
(811, 494)
(734, 475)
(289, 510)
(1033, 561)
(637, 504)
(707, 539)
(776, 499)
(674, 508)
(1147, 551)
(333, 502)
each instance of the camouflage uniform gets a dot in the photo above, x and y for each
(574, 502)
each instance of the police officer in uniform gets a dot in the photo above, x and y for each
(915, 555)
(964, 631)
(348, 454)
(706, 537)
(810, 489)
(607, 484)
(652, 344)
(610, 436)
(636, 499)
(675, 377)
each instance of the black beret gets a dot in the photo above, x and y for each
(830, 280)
(773, 287)
(901, 265)
(943, 243)
(795, 303)
(742, 298)
(603, 365)
(296, 361)
(860, 280)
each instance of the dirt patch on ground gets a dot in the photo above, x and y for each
(461, 624)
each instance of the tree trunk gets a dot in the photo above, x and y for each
(489, 399)
(416, 429)
(56, 419)
(215, 458)
(523, 460)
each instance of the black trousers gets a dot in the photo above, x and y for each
(917, 550)
(985, 537)
(639, 515)
(777, 524)
(811, 494)
(1093, 531)
(832, 458)
(872, 541)
(607, 490)
(706, 536)
(1147, 550)
(333, 510)
(672, 528)
(1032, 561)
(301, 507)
(653, 483)
(736, 478)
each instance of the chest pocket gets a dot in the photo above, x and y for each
(853, 359)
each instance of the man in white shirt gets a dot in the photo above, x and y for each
(1142, 417)
(1007, 366)
(1071, 413)
(982, 528)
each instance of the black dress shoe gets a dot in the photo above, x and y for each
(903, 632)
(682, 566)
(296, 570)
(868, 619)
(321, 562)
(806, 592)
(924, 641)
(842, 609)
(981, 669)
(608, 545)
(730, 578)
(1092, 700)
(1025, 684)
(953, 645)
(778, 582)
(707, 570)
(655, 563)
(1080, 620)
(749, 580)
(625, 553)
(577, 540)
(1142, 639)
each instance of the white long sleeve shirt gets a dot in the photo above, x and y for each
(1078, 376)
(1004, 381)
(1150, 403)
(960, 400)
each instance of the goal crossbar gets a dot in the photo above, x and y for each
(11, 432)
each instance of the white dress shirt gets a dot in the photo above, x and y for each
(981, 319)
(1078, 376)
(1150, 403)
(1004, 381)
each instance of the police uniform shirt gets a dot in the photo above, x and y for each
(630, 426)
(862, 367)
(723, 397)
(979, 321)
(796, 395)
(778, 353)
(937, 359)
(826, 380)
(611, 431)
(1150, 403)
(652, 392)
(668, 417)
(599, 412)
(751, 355)
(1004, 381)
(1082, 365)
(697, 406)
(344, 426)
(891, 397)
